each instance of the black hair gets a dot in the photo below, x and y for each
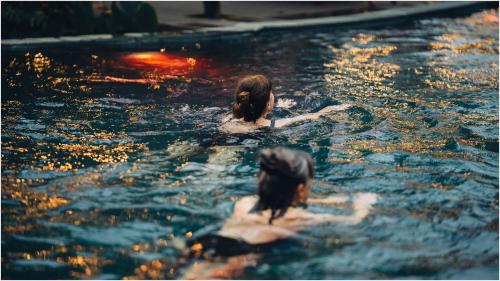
(281, 171)
(251, 97)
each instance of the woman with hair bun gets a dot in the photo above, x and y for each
(277, 212)
(254, 100)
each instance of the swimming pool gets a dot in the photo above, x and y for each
(108, 156)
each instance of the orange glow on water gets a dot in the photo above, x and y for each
(157, 60)
(153, 68)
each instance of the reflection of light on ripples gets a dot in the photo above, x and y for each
(145, 170)
(39, 63)
(412, 144)
(364, 73)
(153, 69)
(155, 270)
(482, 19)
(467, 79)
(33, 204)
(458, 48)
(86, 266)
(356, 66)
(364, 38)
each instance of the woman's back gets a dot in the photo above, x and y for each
(239, 126)
(253, 227)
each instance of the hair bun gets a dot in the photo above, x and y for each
(242, 105)
(243, 97)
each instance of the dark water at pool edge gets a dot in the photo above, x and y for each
(423, 134)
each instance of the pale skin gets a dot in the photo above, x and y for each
(236, 126)
(254, 227)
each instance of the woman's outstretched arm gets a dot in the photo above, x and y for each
(309, 116)
(338, 199)
(361, 204)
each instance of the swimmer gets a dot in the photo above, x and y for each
(277, 212)
(254, 100)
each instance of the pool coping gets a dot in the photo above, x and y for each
(367, 19)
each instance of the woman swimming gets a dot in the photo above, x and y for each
(277, 212)
(254, 100)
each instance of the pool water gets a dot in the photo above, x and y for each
(109, 157)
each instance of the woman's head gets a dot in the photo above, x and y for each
(253, 98)
(284, 179)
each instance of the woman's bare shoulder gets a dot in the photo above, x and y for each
(236, 126)
(226, 118)
(245, 204)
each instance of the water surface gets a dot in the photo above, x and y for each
(108, 156)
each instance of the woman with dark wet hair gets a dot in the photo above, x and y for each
(277, 212)
(284, 180)
(254, 100)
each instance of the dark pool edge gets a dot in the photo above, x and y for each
(242, 30)
(375, 17)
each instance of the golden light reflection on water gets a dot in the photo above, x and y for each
(444, 71)
(485, 46)
(154, 270)
(153, 69)
(485, 19)
(32, 205)
(366, 71)
(467, 79)
(86, 266)
(47, 157)
(353, 150)
(16, 189)
(353, 65)
(364, 38)
(99, 153)
(78, 146)
(38, 62)
(367, 74)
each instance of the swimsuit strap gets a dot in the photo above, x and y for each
(302, 205)
(273, 122)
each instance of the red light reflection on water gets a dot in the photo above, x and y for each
(154, 68)
(158, 61)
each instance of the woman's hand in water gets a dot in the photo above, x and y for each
(362, 204)
(285, 103)
(366, 198)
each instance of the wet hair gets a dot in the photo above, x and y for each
(281, 171)
(251, 97)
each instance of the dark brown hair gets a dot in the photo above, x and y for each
(281, 171)
(251, 97)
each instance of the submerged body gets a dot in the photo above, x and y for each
(247, 234)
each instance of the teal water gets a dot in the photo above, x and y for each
(100, 176)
